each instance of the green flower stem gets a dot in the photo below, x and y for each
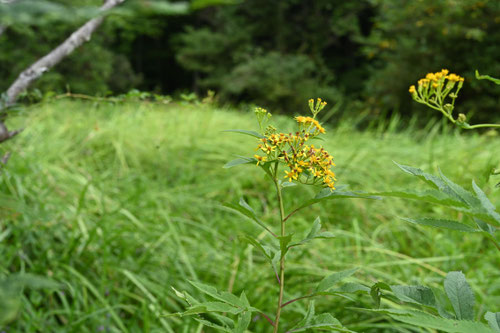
(282, 259)
(484, 125)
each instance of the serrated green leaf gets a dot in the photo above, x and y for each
(314, 234)
(251, 133)
(223, 296)
(432, 196)
(485, 226)
(327, 194)
(244, 209)
(284, 241)
(486, 203)
(440, 223)
(329, 281)
(207, 307)
(213, 325)
(240, 161)
(427, 177)
(266, 251)
(422, 319)
(376, 294)
(460, 295)
(493, 320)
(460, 192)
(415, 294)
(243, 322)
(352, 288)
(324, 321)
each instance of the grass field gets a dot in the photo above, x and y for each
(121, 202)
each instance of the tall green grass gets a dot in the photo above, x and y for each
(121, 202)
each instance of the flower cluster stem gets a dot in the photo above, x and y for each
(282, 259)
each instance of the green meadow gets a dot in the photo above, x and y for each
(118, 203)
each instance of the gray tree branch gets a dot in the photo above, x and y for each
(80, 36)
(28, 76)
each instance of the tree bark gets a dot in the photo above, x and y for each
(28, 76)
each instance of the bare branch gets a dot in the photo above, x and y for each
(80, 36)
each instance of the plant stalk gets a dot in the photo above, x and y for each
(282, 259)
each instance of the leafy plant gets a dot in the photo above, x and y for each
(290, 157)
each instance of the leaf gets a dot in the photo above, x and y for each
(485, 226)
(223, 296)
(422, 319)
(240, 161)
(351, 288)
(415, 294)
(460, 295)
(247, 211)
(487, 77)
(329, 281)
(212, 325)
(375, 292)
(274, 263)
(207, 307)
(287, 184)
(243, 322)
(427, 177)
(486, 203)
(323, 321)
(493, 320)
(251, 133)
(433, 196)
(327, 194)
(284, 241)
(266, 251)
(314, 233)
(460, 192)
(440, 223)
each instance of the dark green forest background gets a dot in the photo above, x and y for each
(277, 54)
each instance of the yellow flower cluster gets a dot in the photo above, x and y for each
(436, 81)
(434, 88)
(305, 163)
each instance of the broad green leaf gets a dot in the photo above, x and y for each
(329, 281)
(207, 307)
(247, 211)
(240, 161)
(327, 194)
(486, 203)
(415, 294)
(422, 319)
(314, 234)
(251, 133)
(493, 320)
(487, 77)
(460, 295)
(440, 223)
